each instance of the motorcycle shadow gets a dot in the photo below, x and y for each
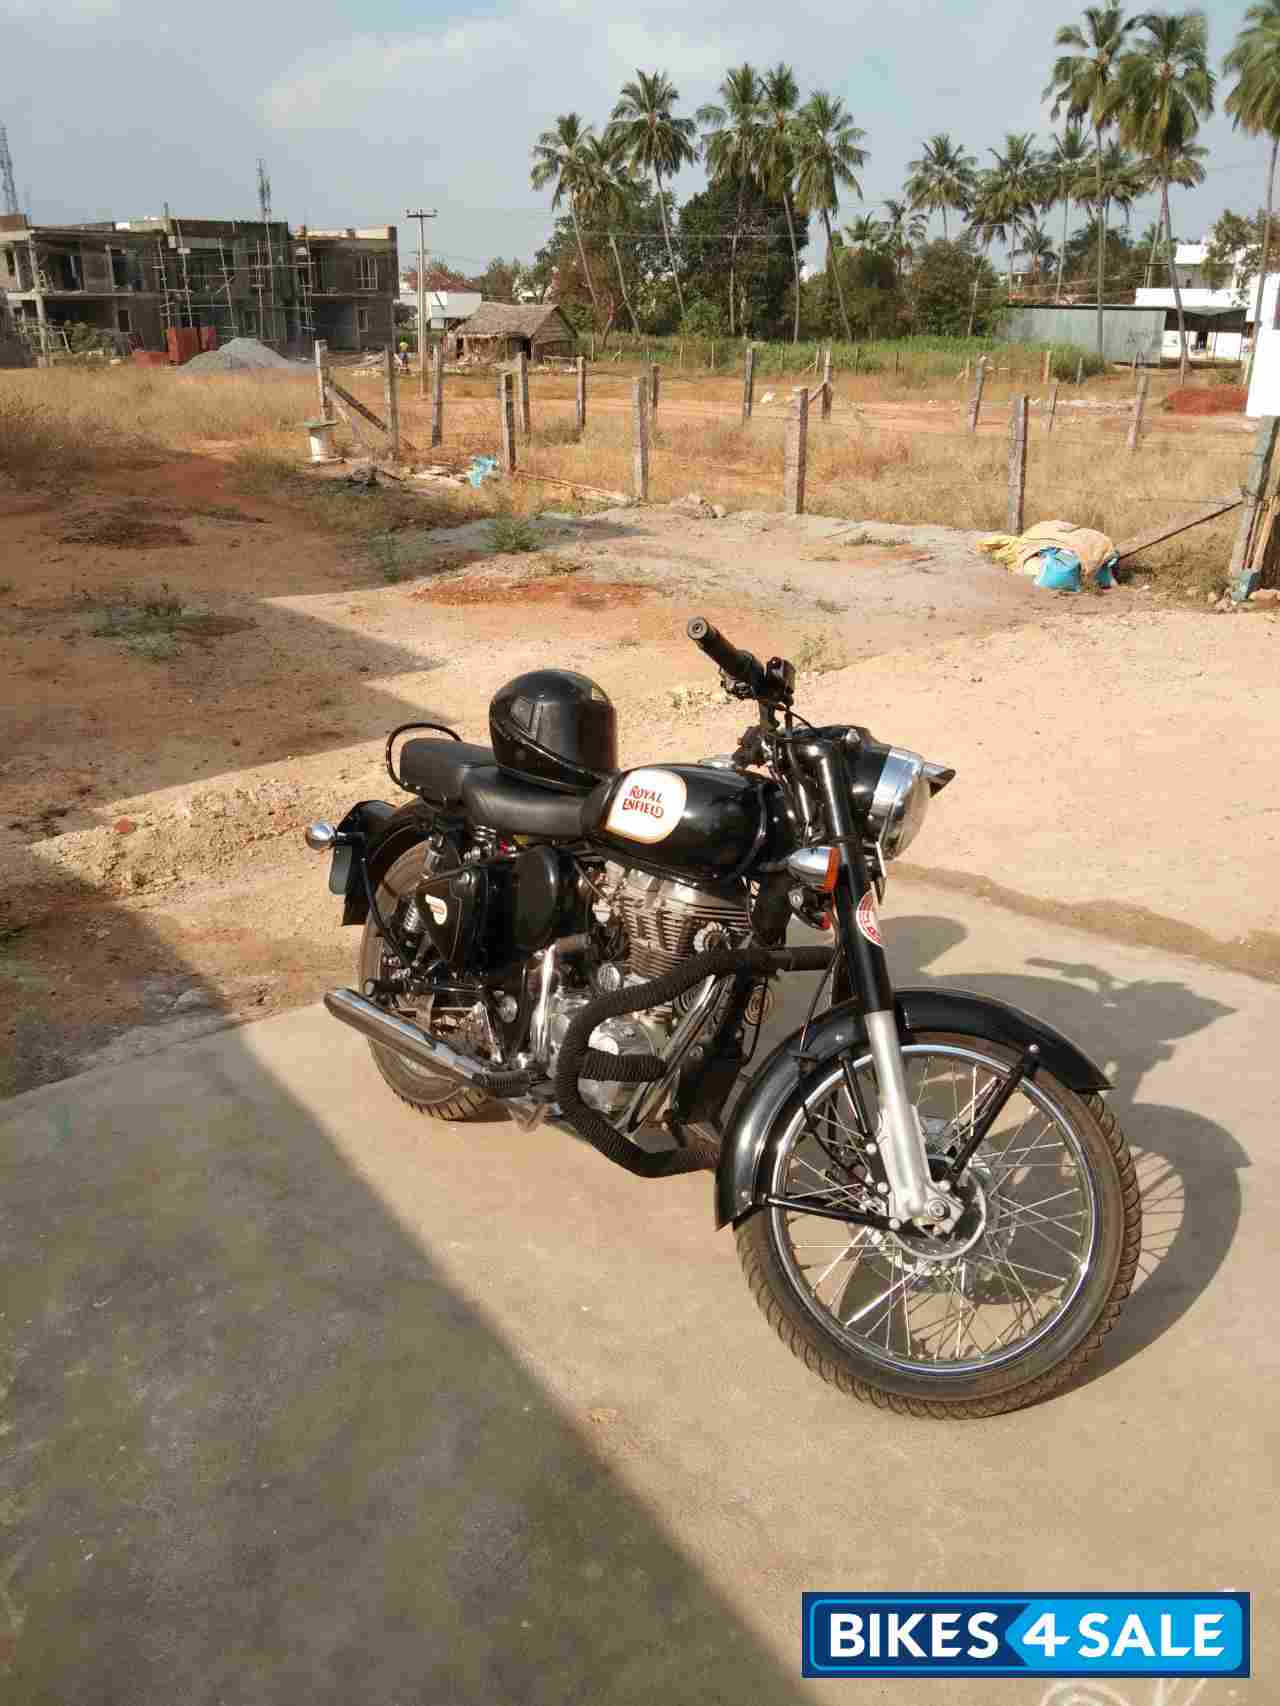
(1188, 1165)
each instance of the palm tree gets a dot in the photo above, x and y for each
(1036, 243)
(827, 157)
(1081, 84)
(730, 145)
(1067, 155)
(1010, 193)
(649, 135)
(560, 156)
(605, 194)
(942, 177)
(903, 230)
(1163, 90)
(1254, 105)
(775, 160)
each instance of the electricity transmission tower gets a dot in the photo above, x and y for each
(7, 184)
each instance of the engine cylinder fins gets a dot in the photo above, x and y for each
(666, 920)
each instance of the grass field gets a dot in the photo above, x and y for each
(894, 450)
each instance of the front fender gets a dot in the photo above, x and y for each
(744, 1156)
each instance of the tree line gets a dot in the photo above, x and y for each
(1132, 93)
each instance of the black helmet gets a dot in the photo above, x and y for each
(555, 728)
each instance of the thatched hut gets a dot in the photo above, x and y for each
(498, 331)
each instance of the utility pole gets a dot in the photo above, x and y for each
(421, 214)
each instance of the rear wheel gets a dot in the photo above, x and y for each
(1019, 1298)
(427, 1092)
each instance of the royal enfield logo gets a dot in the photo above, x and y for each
(647, 806)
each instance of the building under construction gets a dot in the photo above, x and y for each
(181, 285)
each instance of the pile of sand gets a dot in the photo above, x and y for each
(240, 355)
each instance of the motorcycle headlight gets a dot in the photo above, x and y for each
(900, 801)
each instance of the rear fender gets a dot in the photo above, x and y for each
(746, 1153)
(380, 834)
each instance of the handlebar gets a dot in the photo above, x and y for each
(740, 666)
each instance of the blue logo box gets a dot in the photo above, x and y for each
(1041, 1634)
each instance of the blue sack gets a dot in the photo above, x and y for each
(1059, 570)
(482, 468)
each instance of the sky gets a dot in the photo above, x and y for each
(114, 107)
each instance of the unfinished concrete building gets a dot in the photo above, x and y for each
(177, 285)
(352, 281)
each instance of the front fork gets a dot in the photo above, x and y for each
(913, 1193)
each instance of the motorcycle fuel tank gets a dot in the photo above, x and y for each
(687, 818)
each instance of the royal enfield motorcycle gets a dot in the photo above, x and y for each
(933, 1204)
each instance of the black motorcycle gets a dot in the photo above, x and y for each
(933, 1205)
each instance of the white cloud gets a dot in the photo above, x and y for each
(537, 53)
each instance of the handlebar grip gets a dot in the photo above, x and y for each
(742, 666)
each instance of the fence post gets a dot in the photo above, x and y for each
(797, 452)
(1080, 371)
(653, 387)
(1241, 576)
(1017, 462)
(1045, 361)
(975, 402)
(857, 356)
(1139, 403)
(322, 357)
(522, 400)
(582, 395)
(639, 441)
(826, 386)
(1053, 408)
(437, 394)
(507, 420)
(713, 355)
(392, 400)
(748, 381)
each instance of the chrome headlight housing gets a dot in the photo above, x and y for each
(901, 798)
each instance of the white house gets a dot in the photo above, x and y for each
(445, 308)
(1219, 321)
(1264, 386)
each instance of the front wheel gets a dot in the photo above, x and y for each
(1019, 1298)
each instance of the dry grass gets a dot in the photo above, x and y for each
(889, 454)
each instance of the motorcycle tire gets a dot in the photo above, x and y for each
(439, 1098)
(847, 1352)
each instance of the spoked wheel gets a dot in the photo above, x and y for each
(426, 1091)
(1009, 1306)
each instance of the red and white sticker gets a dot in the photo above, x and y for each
(647, 806)
(867, 919)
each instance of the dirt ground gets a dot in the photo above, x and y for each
(194, 673)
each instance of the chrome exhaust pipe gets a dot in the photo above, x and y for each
(400, 1036)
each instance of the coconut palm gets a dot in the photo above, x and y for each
(650, 135)
(1066, 157)
(1015, 188)
(1163, 89)
(943, 177)
(775, 159)
(605, 196)
(1254, 105)
(827, 156)
(730, 146)
(1122, 179)
(903, 230)
(1081, 84)
(1037, 245)
(560, 156)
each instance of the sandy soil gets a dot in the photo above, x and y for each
(194, 674)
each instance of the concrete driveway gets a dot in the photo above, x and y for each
(314, 1401)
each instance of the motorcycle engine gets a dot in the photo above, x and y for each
(663, 923)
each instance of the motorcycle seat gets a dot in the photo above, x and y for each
(436, 768)
(513, 807)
